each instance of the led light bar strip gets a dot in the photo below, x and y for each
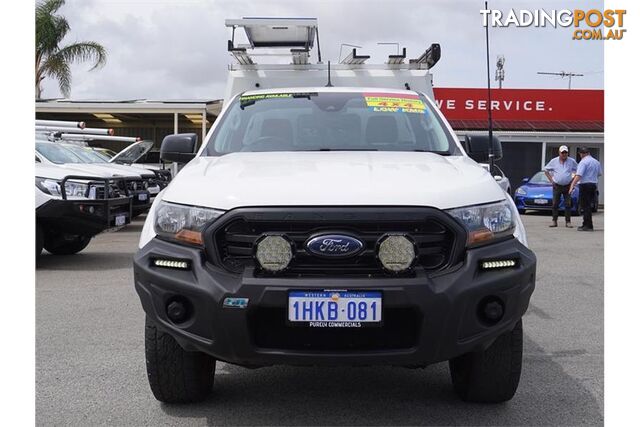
(498, 264)
(169, 263)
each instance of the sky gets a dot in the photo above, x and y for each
(177, 49)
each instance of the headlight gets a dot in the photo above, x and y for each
(486, 222)
(49, 186)
(521, 191)
(76, 189)
(71, 188)
(183, 223)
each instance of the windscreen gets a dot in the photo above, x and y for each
(86, 154)
(539, 178)
(328, 121)
(132, 153)
(56, 153)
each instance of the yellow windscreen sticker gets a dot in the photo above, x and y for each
(395, 104)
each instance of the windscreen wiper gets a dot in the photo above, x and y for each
(421, 150)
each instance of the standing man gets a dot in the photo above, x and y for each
(560, 172)
(589, 170)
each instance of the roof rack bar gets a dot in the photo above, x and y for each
(76, 131)
(354, 58)
(80, 137)
(430, 57)
(60, 123)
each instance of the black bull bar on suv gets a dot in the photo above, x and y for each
(89, 216)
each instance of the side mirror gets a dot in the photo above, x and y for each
(179, 148)
(525, 180)
(477, 147)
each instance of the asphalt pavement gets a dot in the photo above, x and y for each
(90, 353)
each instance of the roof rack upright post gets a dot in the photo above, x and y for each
(318, 44)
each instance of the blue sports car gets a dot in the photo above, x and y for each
(536, 193)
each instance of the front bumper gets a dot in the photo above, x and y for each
(428, 318)
(528, 203)
(142, 200)
(86, 217)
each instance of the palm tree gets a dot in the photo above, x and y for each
(51, 59)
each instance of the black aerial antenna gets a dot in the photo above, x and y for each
(491, 161)
(329, 75)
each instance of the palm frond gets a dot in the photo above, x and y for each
(50, 28)
(57, 67)
(84, 51)
(48, 7)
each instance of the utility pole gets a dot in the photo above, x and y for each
(562, 75)
(500, 71)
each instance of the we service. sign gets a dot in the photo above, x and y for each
(521, 104)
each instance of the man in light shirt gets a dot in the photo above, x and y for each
(589, 170)
(560, 171)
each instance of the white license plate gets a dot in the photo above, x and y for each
(335, 309)
(121, 220)
(142, 197)
(540, 201)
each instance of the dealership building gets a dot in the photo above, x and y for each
(531, 123)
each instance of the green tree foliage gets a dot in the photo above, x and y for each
(53, 60)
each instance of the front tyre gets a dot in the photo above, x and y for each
(492, 375)
(39, 239)
(176, 375)
(65, 244)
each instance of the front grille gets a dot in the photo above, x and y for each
(131, 185)
(114, 192)
(437, 240)
(149, 181)
(163, 175)
(400, 329)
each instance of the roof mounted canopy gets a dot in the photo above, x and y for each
(277, 32)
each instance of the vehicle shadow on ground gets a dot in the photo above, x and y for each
(135, 227)
(560, 214)
(85, 261)
(389, 396)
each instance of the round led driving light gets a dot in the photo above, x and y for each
(274, 253)
(396, 253)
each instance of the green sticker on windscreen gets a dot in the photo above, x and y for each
(246, 100)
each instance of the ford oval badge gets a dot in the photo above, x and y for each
(334, 245)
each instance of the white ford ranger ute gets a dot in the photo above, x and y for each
(333, 226)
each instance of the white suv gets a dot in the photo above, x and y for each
(333, 226)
